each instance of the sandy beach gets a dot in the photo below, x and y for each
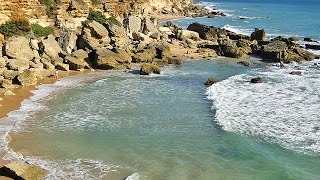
(11, 103)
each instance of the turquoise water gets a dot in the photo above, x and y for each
(162, 127)
(110, 125)
(277, 17)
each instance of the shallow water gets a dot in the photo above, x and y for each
(109, 125)
(162, 127)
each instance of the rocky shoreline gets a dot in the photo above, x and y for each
(121, 42)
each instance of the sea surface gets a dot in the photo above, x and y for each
(111, 125)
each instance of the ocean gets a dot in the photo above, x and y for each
(111, 125)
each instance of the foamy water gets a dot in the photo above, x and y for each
(284, 109)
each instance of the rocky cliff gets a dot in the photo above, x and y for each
(70, 13)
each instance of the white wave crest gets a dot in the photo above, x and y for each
(284, 109)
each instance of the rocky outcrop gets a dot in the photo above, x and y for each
(107, 59)
(210, 81)
(207, 32)
(147, 69)
(17, 170)
(256, 80)
(27, 78)
(259, 35)
(18, 48)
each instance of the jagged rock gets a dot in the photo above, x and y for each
(186, 34)
(137, 36)
(47, 64)
(228, 48)
(78, 60)
(10, 74)
(19, 64)
(2, 62)
(107, 59)
(38, 66)
(235, 36)
(147, 69)
(51, 47)
(259, 35)
(210, 81)
(148, 26)
(313, 46)
(98, 30)
(19, 48)
(27, 78)
(118, 36)
(6, 83)
(91, 40)
(207, 32)
(34, 44)
(62, 66)
(245, 46)
(132, 24)
(174, 61)
(166, 30)
(67, 41)
(256, 80)
(274, 50)
(207, 52)
(17, 170)
(145, 55)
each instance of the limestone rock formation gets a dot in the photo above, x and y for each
(18, 170)
(147, 69)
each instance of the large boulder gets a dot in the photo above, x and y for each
(50, 47)
(19, 48)
(149, 26)
(18, 170)
(186, 34)
(274, 51)
(19, 64)
(78, 60)
(98, 30)
(2, 62)
(132, 24)
(107, 59)
(119, 36)
(147, 69)
(6, 83)
(144, 55)
(259, 35)
(68, 41)
(207, 32)
(27, 78)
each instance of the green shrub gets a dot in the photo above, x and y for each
(47, 2)
(96, 2)
(97, 16)
(40, 31)
(113, 20)
(15, 27)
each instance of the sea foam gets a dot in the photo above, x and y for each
(284, 109)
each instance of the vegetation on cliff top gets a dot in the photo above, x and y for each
(15, 27)
(100, 18)
(40, 31)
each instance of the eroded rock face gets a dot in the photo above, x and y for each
(27, 78)
(18, 48)
(98, 30)
(107, 59)
(132, 24)
(51, 47)
(78, 60)
(17, 170)
(19, 64)
(67, 41)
